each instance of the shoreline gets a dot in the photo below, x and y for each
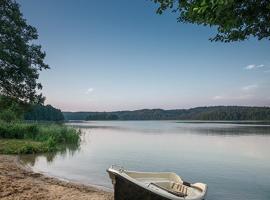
(20, 182)
(26, 167)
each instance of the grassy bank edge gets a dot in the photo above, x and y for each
(27, 138)
(21, 146)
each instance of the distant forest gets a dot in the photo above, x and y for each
(198, 113)
(44, 113)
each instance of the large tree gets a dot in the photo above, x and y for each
(235, 20)
(20, 59)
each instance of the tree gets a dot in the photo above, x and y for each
(40, 112)
(235, 20)
(20, 59)
(11, 109)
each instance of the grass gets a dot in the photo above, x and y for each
(20, 137)
(19, 146)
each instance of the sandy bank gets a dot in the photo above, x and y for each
(18, 183)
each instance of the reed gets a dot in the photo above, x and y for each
(22, 137)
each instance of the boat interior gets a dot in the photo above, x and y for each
(167, 182)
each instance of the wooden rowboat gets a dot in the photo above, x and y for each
(132, 185)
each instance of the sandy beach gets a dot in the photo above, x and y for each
(19, 183)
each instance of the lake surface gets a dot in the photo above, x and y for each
(233, 159)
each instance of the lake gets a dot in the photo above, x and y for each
(233, 159)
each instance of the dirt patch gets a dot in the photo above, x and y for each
(18, 183)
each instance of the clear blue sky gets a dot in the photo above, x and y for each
(120, 55)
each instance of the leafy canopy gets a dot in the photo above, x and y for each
(235, 20)
(20, 59)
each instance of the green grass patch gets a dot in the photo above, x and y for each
(19, 146)
(19, 137)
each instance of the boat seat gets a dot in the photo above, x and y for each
(179, 189)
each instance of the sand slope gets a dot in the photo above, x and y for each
(18, 183)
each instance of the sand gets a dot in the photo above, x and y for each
(19, 183)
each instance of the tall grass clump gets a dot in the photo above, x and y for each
(59, 133)
(47, 137)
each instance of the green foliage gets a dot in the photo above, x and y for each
(20, 58)
(11, 109)
(51, 144)
(61, 134)
(15, 146)
(46, 137)
(44, 113)
(8, 115)
(199, 113)
(234, 20)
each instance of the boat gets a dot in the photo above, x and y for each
(133, 185)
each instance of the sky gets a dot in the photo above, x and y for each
(120, 55)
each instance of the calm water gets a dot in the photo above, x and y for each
(233, 159)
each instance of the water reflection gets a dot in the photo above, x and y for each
(176, 127)
(232, 130)
(63, 151)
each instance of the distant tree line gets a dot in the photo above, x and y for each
(198, 113)
(102, 116)
(44, 113)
